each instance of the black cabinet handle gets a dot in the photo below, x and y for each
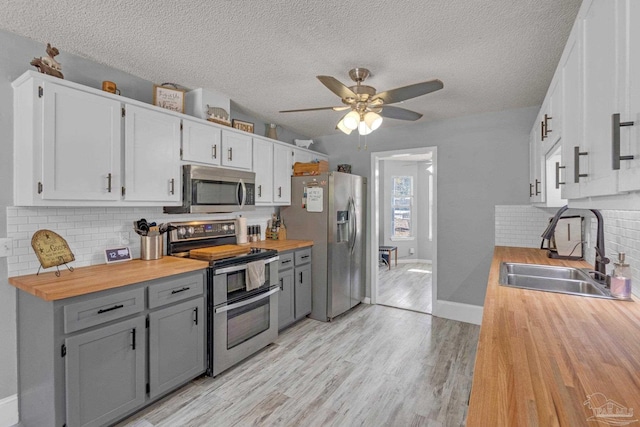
(304, 256)
(177, 291)
(301, 277)
(133, 344)
(286, 262)
(109, 182)
(115, 307)
(576, 164)
(615, 140)
(196, 315)
(282, 284)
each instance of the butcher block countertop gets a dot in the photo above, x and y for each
(549, 359)
(95, 278)
(280, 245)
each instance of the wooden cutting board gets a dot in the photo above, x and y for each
(218, 252)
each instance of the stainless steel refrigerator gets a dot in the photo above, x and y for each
(330, 209)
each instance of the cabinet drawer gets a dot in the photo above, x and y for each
(175, 289)
(286, 261)
(303, 256)
(103, 309)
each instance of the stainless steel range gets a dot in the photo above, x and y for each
(242, 289)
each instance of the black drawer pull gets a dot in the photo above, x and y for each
(285, 262)
(115, 307)
(177, 291)
(304, 256)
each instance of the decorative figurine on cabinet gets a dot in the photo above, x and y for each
(48, 65)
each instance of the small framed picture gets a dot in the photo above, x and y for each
(117, 254)
(245, 126)
(169, 98)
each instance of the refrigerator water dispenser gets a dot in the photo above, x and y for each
(342, 222)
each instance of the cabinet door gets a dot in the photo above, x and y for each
(282, 174)
(81, 145)
(630, 109)
(572, 116)
(263, 167)
(553, 123)
(602, 62)
(236, 149)
(176, 345)
(201, 143)
(285, 299)
(152, 156)
(303, 291)
(536, 186)
(105, 373)
(302, 156)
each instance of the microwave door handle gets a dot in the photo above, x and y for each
(242, 193)
(246, 302)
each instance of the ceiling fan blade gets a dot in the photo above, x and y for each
(407, 92)
(340, 108)
(399, 113)
(336, 87)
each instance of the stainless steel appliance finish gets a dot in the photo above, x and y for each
(240, 321)
(207, 189)
(338, 233)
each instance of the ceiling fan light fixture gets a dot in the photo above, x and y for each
(351, 120)
(363, 129)
(373, 120)
(342, 127)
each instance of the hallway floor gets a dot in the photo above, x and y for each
(406, 286)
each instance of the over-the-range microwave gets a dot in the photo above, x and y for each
(207, 189)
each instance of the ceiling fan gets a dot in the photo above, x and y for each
(368, 107)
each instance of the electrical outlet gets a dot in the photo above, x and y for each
(412, 251)
(6, 247)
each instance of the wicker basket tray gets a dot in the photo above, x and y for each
(300, 169)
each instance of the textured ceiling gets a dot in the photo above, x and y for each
(491, 54)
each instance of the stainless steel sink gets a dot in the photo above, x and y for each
(565, 280)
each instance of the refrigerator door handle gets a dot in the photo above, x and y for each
(354, 223)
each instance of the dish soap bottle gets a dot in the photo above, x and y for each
(621, 279)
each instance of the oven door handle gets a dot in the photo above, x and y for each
(246, 302)
(241, 267)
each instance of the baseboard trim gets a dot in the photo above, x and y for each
(366, 300)
(9, 411)
(457, 311)
(412, 260)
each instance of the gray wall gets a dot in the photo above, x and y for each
(17, 52)
(482, 162)
(425, 246)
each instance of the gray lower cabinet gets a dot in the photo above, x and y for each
(176, 345)
(295, 286)
(105, 373)
(94, 359)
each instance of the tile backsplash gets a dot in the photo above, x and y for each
(89, 231)
(522, 225)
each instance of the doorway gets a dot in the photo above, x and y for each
(403, 217)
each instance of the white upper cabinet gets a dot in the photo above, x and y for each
(66, 144)
(536, 183)
(282, 163)
(263, 167)
(236, 150)
(629, 175)
(201, 142)
(152, 156)
(602, 62)
(570, 70)
(599, 109)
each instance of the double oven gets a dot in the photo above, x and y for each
(242, 317)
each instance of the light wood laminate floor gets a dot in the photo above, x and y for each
(373, 366)
(406, 286)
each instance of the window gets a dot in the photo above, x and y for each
(401, 206)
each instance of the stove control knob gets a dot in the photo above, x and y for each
(182, 231)
(232, 227)
(225, 227)
(191, 230)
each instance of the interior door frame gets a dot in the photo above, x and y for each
(374, 235)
